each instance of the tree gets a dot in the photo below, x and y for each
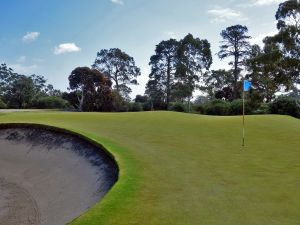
(235, 44)
(7, 76)
(155, 91)
(264, 66)
(119, 67)
(91, 87)
(21, 92)
(194, 58)
(217, 81)
(288, 40)
(163, 67)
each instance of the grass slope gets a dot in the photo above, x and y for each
(180, 169)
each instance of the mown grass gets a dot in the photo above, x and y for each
(181, 169)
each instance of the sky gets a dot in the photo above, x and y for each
(52, 37)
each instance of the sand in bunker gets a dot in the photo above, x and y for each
(50, 178)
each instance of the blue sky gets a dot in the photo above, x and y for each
(52, 37)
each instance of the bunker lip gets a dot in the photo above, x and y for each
(53, 174)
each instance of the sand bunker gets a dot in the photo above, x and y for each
(50, 178)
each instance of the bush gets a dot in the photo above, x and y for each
(199, 109)
(263, 109)
(2, 105)
(136, 107)
(51, 102)
(236, 107)
(177, 107)
(285, 106)
(147, 106)
(217, 107)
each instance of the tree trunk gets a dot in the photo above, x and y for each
(168, 82)
(117, 83)
(236, 77)
(189, 104)
(81, 101)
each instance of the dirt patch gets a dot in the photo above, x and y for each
(50, 178)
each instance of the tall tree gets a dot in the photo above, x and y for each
(235, 44)
(7, 76)
(163, 67)
(217, 81)
(89, 85)
(288, 40)
(264, 70)
(119, 67)
(194, 58)
(21, 92)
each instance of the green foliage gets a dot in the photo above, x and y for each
(136, 107)
(176, 69)
(235, 45)
(285, 106)
(217, 107)
(92, 88)
(236, 107)
(217, 81)
(2, 105)
(119, 67)
(262, 109)
(147, 106)
(178, 107)
(287, 40)
(51, 102)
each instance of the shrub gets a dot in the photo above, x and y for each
(285, 106)
(51, 102)
(199, 109)
(147, 106)
(136, 107)
(263, 109)
(178, 107)
(2, 105)
(236, 107)
(217, 107)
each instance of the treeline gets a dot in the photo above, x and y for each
(19, 91)
(179, 67)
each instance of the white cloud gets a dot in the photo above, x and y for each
(171, 34)
(259, 39)
(27, 70)
(258, 3)
(225, 14)
(119, 2)
(30, 37)
(265, 2)
(66, 48)
(21, 59)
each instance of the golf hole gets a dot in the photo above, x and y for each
(50, 176)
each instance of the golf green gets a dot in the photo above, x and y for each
(185, 169)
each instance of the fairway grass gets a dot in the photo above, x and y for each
(184, 169)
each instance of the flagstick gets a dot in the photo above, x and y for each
(243, 118)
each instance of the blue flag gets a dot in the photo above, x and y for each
(247, 85)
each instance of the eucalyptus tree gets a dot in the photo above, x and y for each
(235, 45)
(91, 88)
(264, 70)
(288, 40)
(194, 59)
(216, 81)
(163, 67)
(119, 67)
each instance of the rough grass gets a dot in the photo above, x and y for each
(180, 169)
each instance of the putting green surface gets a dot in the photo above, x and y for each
(181, 169)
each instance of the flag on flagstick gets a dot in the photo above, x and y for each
(247, 85)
